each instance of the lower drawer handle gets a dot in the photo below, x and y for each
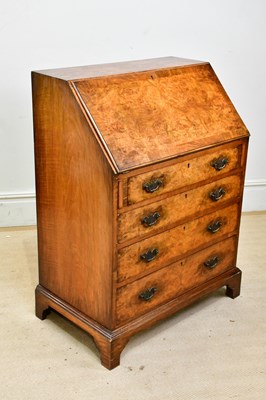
(147, 294)
(151, 219)
(217, 194)
(149, 255)
(212, 262)
(215, 226)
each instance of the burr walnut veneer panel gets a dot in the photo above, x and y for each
(172, 244)
(183, 173)
(173, 209)
(180, 276)
(145, 117)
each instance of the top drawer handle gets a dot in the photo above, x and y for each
(152, 185)
(219, 163)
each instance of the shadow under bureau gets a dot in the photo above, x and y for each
(139, 180)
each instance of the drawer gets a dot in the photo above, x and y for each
(149, 219)
(183, 173)
(162, 249)
(162, 286)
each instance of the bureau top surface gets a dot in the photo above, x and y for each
(123, 67)
(152, 110)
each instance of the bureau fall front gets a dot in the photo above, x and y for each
(139, 182)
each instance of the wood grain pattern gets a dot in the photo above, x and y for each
(185, 157)
(173, 209)
(174, 243)
(173, 280)
(181, 174)
(124, 67)
(74, 202)
(99, 132)
(111, 343)
(145, 117)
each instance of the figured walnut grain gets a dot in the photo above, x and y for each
(181, 174)
(171, 244)
(145, 117)
(74, 188)
(173, 209)
(173, 280)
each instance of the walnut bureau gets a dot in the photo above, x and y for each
(139, 181)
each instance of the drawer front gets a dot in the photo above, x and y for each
(162, 286)
(161, 214)
(166, 247)
(184, 173)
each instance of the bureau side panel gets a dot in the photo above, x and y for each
(74, 188)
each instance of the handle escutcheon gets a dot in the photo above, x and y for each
(152, 185)
(147, 294)
(150, 255)
(217, 194)
(215, 226)
(150, 219)
(219, 163)
(212, 262)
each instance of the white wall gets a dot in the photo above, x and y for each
(38, 34)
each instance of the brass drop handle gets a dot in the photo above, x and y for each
(219, 163)
(215, 226)
(217, 194)
(212, 262)
(152, 185)
(150, 219)
(149, 255)
(147, 294)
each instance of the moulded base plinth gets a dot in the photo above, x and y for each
(111, 343)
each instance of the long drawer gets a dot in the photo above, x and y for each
(160, 287)
(164, 248)
(208, 165)
(148, 219)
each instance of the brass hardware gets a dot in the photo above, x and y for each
(215, 226)
(217, 194)
(151, 219)
(212, 262)
(153, 185)
(219, 163)
(149, 255)
(147, 294)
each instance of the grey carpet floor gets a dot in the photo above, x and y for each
(215, 349)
